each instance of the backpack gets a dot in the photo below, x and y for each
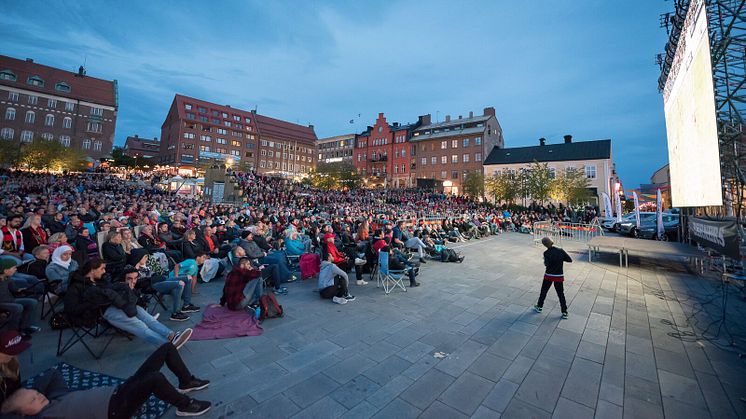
(310, 264)
(448, 255)
(269, 307)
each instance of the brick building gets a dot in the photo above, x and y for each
(446, 151)
(382, 154)
(38, 101)
(146, 148)
(198, 131)
(336, 149)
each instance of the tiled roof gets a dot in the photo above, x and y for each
(282, 130)
(584, 150)
(451, 133)
(87, 88)
(456, 122)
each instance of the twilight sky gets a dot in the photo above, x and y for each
(582, 67)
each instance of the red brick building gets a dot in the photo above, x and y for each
(197, 130)
(382, 154)
(38, 101)
(146, 148)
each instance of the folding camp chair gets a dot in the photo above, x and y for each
(83, 334)
(389, 279)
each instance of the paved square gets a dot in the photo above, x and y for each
(618, 355)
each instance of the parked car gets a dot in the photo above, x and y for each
(649, 230)
(625, 218)
(629, 227)
(607, 223)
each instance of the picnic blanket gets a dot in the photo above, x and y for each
(220, 323)
(79, 379)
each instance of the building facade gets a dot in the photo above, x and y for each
(138, 147)
(38, 101)
(592, 157)
(197, 131)
(382, 154)
(445, 152)
(336, 149)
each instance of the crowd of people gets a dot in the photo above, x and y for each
(102, 246)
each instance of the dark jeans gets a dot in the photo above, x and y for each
(339, 289)
(559, 287)
(271, 275)
(130, 395)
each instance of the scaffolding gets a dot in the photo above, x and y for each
(727, 32)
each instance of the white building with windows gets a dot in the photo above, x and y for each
(591, 157)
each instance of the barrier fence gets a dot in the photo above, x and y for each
(559, 232)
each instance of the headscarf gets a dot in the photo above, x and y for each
(57, 256)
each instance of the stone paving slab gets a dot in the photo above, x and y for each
(623, 353)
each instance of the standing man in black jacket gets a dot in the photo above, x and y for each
(554, 258)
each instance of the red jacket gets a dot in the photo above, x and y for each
(235, 283)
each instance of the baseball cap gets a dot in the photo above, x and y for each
(6, 264)
(11, 343)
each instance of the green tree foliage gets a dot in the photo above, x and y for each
(474, 183)
(42, 154)
(335, 176)
(10, 155)
(570, 187)
(502, 187)
(538, 181)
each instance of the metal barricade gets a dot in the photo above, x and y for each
(560, 231)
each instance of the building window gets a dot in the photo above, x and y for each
(186, 146)
(443, 159)
(97, 146)
(466, 142)
(552, 173)
(424, 161)
(13, 96)
(49, 120)
(477, 156)
(62, 87)
(271, 153)
(454, 174)
(86, 144)
(10, 114)
(590, 172)
(478, 140)
(30, 117)
(97, 111)
(466, 158)
(443, 145)
(189, 115)
(6, 133)
(220, 140)
(188, 106)
(201, 110)
(47, 136)
(35, 81)
(27, 136)
(32, 100)
(443, 174)
(247, 120)
(52, 103)
(454, 158)
(262, 163)
(67, 122)
(235, 143)
(189, 135)
(205, 138)
(7, 75)
(69, 106)
(204, 118)
(433, 160)
(403, 168)
(204, 148)
(187, 158)
(454, 143)
(396, 169)
(93, 127)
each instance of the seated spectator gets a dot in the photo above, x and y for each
(294, 246)
(168, 236)
(55, 224)
(30, 273)
(415, 243)
(50, 398)
(190, 269)
(12, 240)
(56, 240)
(175, 286)
(154, 245)
(61, 267)
(243, 280)
(21, 310)
(33, 233)
(113, 253)
(190, 247)
(397, 262)
(128, 240)
(333, 282)
(74, 226)
(87, 247)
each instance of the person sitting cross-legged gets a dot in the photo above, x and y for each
(51, 398)
(242, 279)
(333, 282)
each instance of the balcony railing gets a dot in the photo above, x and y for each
(379, 158)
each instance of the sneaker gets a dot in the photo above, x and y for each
(414, 284)
(359, 261)
(281, 291)
(179, 317)
(564, 315)
(339, 300)
(190, 308)
(349, 297)
(193, 385)
(361, 282)
(156, 316)
(32, 329)
(180, 338)
(537, 309)
(293, 278)
(194, 408)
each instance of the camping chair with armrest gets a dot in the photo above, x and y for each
(85, 333)
(387, 278)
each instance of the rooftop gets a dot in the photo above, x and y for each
(583, 150)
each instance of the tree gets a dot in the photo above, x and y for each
(120, 159)
(474, 183)
(9, 156)
(43, 154)
(570, 187)
(502, 187)
(538, 181)
(335, 175)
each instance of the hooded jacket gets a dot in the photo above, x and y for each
(327, 273)
(84, 299)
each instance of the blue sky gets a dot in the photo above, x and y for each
(549, 68)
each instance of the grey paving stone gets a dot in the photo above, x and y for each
(279, 407)
(309, 391)
(583, 382)
(419, 368)
(638, 409)
(606, 410)
(541, 388)
(591, 351)
(485, 413)
(322, 409)
(349, 368)
(518, 370)
(568, 409)
(518, 409)
(355, 391)
(383, 350)
(673, 362)
(458, 361)
(467, 392)
(509, 345)
(425, 390)
(363, 410)
(308, 355)
(641, 389)
(386, 370)
(415, 351)
(398, 409)
(438, 410)
(673, 408)
(641, 366)
(490, 366)
(677, 387)
(501, 395)
(390, 391)
(716, 398)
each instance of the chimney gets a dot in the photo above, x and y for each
(396, 124)
(81, 69)
(137, 136)
(542, 141)
(29, 60)
(568, 138)
(380, 115)
(155, 138)
(310, 126)
(471, 114)
(489, 111)
(448, 118)
(425, 119)
(459, 117)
